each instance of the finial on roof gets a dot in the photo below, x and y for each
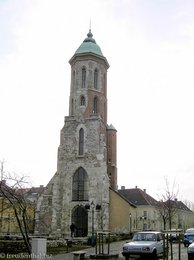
(90, 35)
(90, 25)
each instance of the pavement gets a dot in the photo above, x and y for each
(115, 248)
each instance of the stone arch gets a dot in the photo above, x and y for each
(80, 219)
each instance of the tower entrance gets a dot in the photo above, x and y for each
(80, 219)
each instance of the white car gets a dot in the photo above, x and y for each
(144, 244)
(190, 251)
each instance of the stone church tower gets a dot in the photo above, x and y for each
(86, 165)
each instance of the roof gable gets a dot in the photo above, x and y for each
(138, 197)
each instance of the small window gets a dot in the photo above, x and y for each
(74, 78)
(81, 141)
(145, 214)
(96, 79)
(83, 77)
(82, 101)
(72, 106)
(95, 105)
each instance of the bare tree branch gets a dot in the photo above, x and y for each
(13, 191)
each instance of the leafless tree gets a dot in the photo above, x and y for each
(189, 204)
(167, 205)
(12, 191)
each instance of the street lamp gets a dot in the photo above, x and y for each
(130, 224)
(93, 207)
(93, 239)
(143, 218)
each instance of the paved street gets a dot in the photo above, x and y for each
(116, 248)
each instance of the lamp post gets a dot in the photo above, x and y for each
(93, 239)
(96, 207)
(130, 224)
(9, 219)
(143, 218)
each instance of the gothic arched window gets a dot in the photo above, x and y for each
(74, 78)
(96, 79)
(80, 185)
(95, 105)
(83, 77)
(82, 101)
(81, 141)
(72, 104)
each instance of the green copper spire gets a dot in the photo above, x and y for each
(89, 46)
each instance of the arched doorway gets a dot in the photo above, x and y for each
(80, 219)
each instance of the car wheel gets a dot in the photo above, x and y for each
(154, 255)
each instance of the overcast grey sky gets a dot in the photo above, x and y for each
(150, 47)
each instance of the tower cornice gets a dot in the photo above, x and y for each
(94, 56)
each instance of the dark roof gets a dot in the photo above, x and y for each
(5, 189)
(138, 197)
(120, 195)
(177, 204)
(31, 194)
(35, 190)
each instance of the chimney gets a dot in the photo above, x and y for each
(144, 190)
(3, 182)
(136, 186)
(122, 187)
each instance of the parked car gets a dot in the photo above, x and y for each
(188, 239)
(173, 237)
(190, 230)
(144, 244)
(190, 251)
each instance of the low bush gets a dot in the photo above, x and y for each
(12, 247)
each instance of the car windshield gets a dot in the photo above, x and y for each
(144, 237)
(190, 237)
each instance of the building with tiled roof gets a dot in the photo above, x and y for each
(138, 197)
(122, 213)
(182, 216)
(33, 193)
(148, 211)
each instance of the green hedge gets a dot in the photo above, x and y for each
(12, 247)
